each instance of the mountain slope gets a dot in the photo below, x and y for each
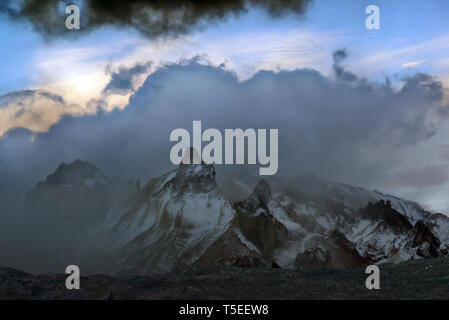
(311, 227)
(178, 219)
(183, 218)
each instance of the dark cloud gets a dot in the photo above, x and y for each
(122, 80)
(152, 18)
(424, 83)
(339, 55)
(340, 73)
(353, 133)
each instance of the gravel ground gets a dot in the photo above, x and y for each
(424, 279)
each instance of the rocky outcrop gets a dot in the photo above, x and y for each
(258, 223)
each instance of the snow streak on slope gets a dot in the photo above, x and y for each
(171, 222)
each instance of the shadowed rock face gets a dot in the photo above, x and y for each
(263, 192)
(332, 251)
(257, 200)
(257, 222)
(383, 211)
(420, 235)
(230, 251)
(426, 241)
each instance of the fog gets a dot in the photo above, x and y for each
(341, 127)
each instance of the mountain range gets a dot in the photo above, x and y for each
(191, 217)
(186, 218)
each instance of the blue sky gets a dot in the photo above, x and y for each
(403, 25)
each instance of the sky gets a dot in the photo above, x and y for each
(365, 107)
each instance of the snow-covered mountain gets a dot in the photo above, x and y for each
(190, 216)
(178, 219)
(344, 226)
(185, 218)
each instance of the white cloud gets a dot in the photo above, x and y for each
(412, 64)
(348, 130)
(78, 72)
(32, 109)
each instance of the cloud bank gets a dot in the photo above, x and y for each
(342, 127)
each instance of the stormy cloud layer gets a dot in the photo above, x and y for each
(340, 127)
(153, 18)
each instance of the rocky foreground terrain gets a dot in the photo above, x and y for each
(419, 279)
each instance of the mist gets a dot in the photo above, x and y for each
(340, 127)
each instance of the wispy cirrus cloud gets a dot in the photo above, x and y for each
(396, 56)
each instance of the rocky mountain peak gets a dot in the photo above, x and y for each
(261, 194)
(198, 178)
(262, 189)
(76, 173)
(258, 200)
